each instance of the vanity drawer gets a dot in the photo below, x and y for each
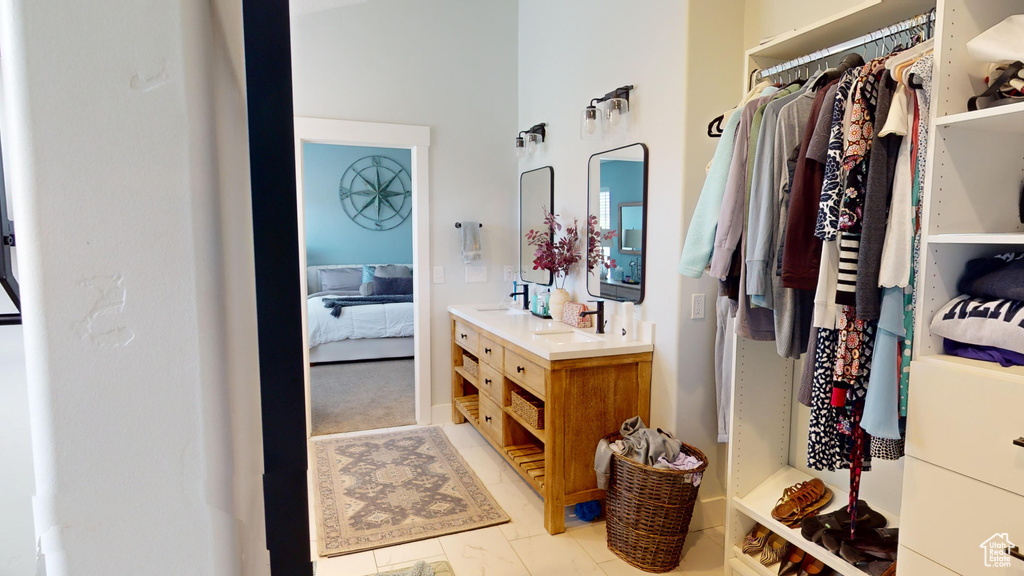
(967, 422)
(491, 352)
(525, 373)
(467, 337)
(946, 517)
(490, 381)
(491, 418)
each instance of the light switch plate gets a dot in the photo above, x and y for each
(475, 274)
(510, 273)
(438, 274)
(697, 308)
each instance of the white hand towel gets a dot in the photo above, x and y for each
(469, 238)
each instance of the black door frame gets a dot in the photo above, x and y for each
(268, 82)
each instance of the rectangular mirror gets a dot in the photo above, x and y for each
(617, 198)
(536, 195)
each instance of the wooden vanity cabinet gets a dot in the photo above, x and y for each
(584, 399)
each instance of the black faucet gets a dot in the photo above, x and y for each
(525, 294)
(599, 313)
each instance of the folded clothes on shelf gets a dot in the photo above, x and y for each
(1005, 358)
(998, 276)
(995, 322)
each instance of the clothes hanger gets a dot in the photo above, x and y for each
(911, 54)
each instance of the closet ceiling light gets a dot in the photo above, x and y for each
(614, 107)
(528, 140)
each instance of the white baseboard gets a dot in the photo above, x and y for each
(708, 513)
(440, 414)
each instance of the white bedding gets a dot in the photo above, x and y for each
(370, 321)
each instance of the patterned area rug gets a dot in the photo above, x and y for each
(385, 489)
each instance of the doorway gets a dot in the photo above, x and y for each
(338, 365)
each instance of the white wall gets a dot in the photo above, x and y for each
(570, 52)
(764, 19)
(17, 541)
(449, 65)
(128, 165)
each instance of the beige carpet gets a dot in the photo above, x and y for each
(380, 490)
(362, 395)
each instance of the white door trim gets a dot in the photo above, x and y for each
(417, 140)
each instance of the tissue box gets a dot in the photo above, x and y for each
(571, 315)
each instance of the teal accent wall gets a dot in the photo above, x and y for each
(625, 181)
(333, 238)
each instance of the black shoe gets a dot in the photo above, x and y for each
(814, 527)
(879, 544)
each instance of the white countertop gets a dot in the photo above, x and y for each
(549, 339)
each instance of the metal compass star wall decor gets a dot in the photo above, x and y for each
(376, 193)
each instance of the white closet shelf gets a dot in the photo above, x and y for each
(742, 569)
(1005, 238)
(758, 504)
(855, 21)
(981, 367)
(1006, 119)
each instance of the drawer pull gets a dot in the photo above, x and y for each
(487, 418)
(463, 336)
(1015, 552)
(487, 350)
(520, 369)
(1019, 442)
(487, 381)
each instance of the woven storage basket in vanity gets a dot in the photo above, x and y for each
(649, 510)
(470, 365)
(530, 409)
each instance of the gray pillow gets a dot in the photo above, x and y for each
(392, 286)
(392, 271)
(366, 289)
(340, 280)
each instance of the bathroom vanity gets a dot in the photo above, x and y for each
(586, 383)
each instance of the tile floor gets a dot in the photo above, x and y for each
(521, 547)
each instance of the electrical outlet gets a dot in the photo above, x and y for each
(476, 274)
(438, 274)
(510, 273)
(697, 308)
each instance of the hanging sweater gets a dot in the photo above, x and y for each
(730, 220)
(700, 238)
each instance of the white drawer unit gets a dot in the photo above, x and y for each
(913, 564)
(948, 517)
(968, 422)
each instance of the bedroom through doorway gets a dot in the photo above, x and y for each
(356, 205)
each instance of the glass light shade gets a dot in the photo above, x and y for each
(520, 150)
(616, 108)
(531, 143)
(589, 122)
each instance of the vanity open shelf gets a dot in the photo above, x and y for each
(585, 388)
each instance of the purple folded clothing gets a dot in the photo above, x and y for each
(1006, 358)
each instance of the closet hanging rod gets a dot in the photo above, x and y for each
(908, 24)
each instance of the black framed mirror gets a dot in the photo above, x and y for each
(617, 198)
(536, 195)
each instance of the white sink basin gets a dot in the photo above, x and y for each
(564, 337)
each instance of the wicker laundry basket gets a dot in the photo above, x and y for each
(649, 510)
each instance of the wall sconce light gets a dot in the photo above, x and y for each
(610, 115)
(528, 140)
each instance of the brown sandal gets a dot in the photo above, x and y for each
(801, 500)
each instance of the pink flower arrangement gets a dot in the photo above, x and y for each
(557, 256)
(560, 255)
(594, 239)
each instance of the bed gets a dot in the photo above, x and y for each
(365, 332)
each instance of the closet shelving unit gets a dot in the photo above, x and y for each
(767, 451)
(963, 478)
